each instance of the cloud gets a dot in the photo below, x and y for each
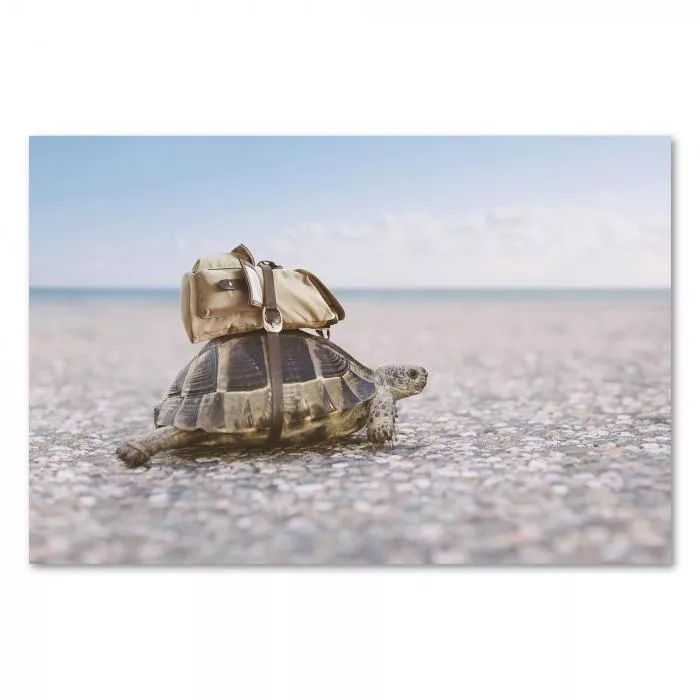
(603, 246)
(519, 246)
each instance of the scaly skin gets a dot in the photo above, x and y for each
(136, 451)
(381, 417)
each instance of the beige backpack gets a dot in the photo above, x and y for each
(225, 294)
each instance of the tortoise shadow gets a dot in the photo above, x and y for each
(209, 455)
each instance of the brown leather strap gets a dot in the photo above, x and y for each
(272, 320)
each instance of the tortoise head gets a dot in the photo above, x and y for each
(403, 380)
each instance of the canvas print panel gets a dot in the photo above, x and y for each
(528, 278)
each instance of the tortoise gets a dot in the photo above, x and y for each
(223, 396)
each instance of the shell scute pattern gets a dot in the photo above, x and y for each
(297, 365)
(213, 407)
(202, 374)
(329, 362)
(225, 388)
(245, 364)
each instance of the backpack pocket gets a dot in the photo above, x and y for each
(221, 292)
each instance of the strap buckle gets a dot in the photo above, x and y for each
(272, 319)
(271, 315)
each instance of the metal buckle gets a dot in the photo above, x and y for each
(272, 319)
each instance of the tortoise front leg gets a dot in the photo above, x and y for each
(136, 451)
(382, 417)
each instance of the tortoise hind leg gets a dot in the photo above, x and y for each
(382, 417)
(136, 451)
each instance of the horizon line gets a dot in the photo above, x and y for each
(668, 288)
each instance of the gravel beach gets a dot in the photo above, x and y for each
(543, 437)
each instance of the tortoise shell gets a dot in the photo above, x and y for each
(225, 388)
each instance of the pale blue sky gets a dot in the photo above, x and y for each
(477, 211)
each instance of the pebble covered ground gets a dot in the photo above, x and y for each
(543, 437)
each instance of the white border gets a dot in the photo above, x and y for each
(199, 68)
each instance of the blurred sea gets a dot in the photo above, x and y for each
(68, 296)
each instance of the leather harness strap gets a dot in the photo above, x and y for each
(272, 321)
